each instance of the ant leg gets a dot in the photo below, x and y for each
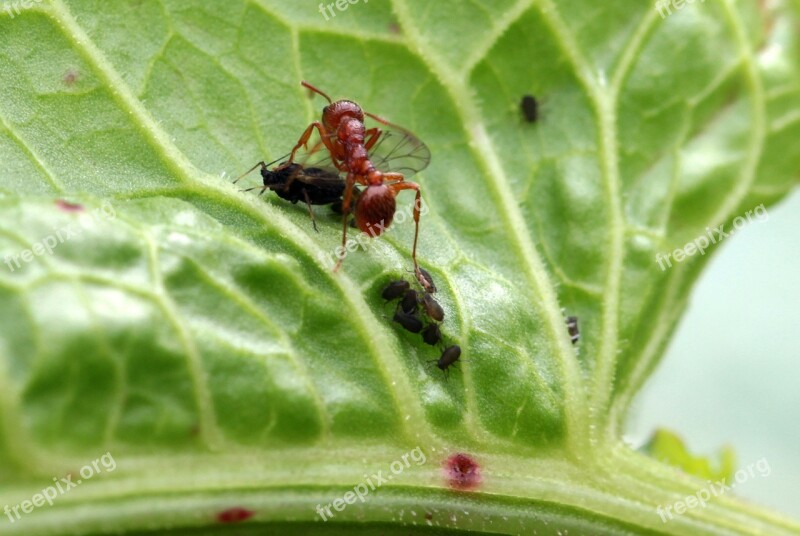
(323, 136)
(403, 185)
(333, 161)
(348, 194)
(310, 211)
(372, 136)
(303, 141)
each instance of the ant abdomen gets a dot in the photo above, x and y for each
(375, 209)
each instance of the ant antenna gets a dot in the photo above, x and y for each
(315, 90)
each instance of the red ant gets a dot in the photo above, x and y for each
(350, 143)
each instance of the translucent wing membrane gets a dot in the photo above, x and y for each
(400, 151)
(397, 150)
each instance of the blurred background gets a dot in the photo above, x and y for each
(732, 369)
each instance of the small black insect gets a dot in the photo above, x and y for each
(530, 108)
(572, 328)
(426, 281)
(408, 321)
(449, 356)
(395, 289)
(432, 334)
(294, 182)
(408, 313)
(409, 302)
(433, 308)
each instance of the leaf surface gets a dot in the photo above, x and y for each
(197, 333)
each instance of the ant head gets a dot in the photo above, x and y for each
(334, 113)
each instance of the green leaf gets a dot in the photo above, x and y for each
(196, 333)
(668, 447)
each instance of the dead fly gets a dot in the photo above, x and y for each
(296, 182)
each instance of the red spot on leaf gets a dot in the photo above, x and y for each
(462, 472)
(234, 515)
(66, 206)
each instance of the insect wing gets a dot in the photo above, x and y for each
(323, 177)
(397, 150)
(400, 151)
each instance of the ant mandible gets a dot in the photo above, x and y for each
(349, 142)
